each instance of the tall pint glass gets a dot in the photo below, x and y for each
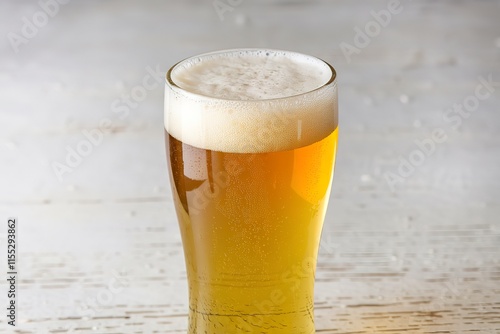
(251, 136)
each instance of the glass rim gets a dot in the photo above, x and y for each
(332, 81)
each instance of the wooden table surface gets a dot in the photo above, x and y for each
(411, 242)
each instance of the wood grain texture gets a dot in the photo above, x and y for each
(100, 251)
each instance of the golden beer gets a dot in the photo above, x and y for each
(251, 209)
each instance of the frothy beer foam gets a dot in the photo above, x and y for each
(250, 101)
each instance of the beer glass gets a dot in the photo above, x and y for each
(251, 136)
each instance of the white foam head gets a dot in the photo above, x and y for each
(251, 100)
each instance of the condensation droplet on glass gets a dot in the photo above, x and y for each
(417, 123)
